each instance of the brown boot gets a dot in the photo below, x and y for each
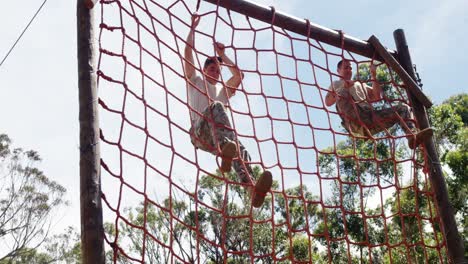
(228, 152)
(420, 137)
(261, 188)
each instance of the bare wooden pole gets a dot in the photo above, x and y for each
(300, 26)
(92, 232)
(449, 225)
(410, 84)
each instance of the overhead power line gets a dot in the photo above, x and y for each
(22, 33)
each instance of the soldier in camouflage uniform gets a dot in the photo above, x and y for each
(354, 104)
(211, 130)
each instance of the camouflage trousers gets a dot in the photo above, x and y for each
(213, 129)
(377, 120)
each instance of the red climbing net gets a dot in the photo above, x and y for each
(336, 198)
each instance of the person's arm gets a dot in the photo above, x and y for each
(188, 53)
(233, 83)
(330, 98)
(376, 91)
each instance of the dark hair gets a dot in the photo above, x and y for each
(341, 63)
(210, 60)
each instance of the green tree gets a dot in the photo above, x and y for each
(61, 248)
(239, 229)
(28, 255)
(220, 227)
(64, 247)
(149, 231)
(225, 219)
(28, 200)
(296, 213)
(409, 207)
(451, 122)
(359, 163)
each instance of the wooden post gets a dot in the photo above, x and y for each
(300, 26)
(92, 232)
(449, 226)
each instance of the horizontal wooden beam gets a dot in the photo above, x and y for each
(410, 84)
(301, 27)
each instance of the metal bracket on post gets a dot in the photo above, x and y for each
(416, 73)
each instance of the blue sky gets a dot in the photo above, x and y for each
(38, 82)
